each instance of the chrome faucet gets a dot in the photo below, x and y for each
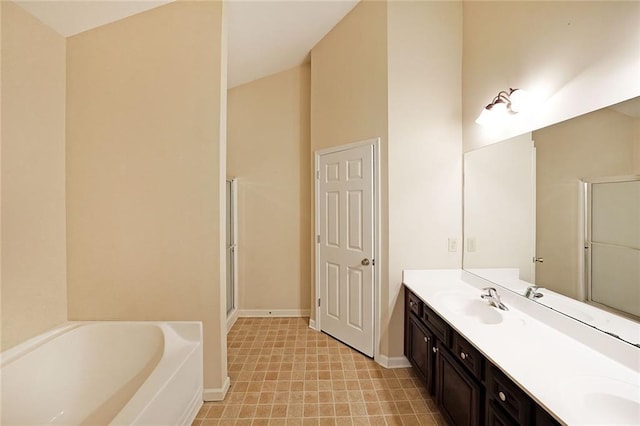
(532, 292)
(493, 298)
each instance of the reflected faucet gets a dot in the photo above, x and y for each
(532, 292)
(493, 298)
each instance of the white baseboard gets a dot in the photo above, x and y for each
(217, 394)
(231, 319)
(259, 313)
(312, 324)
(393, 362)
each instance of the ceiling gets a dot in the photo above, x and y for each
(265, 36)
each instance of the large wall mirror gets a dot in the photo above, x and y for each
(559, 209)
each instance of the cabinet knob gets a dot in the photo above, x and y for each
(463, 355)
(502, 396)
(426, 339)
(435, 350)
(411, 303)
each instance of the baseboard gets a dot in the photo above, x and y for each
(231, 319)
(393, 362)
(217, 394)
(312, 324)
(258, 313)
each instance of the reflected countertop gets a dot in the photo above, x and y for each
(595, 317)
(579, 374)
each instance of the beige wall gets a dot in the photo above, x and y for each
(34, 289)
(424, 44)
(378, 73)
(145, 167)
(499, 206)
(575, 56)
(349, 96)
(599, 144)
(268, 151)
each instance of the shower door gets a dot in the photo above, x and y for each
(612, 244)
(232, 185)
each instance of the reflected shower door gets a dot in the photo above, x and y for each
(231, 228)
(613, 244)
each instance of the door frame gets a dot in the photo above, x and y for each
(375, 144)
(232, 315)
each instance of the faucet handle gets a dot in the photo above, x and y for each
(491, 291)
(532, 292)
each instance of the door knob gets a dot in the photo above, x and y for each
(365, 262)
(538, 259)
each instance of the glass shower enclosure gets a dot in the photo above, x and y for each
(231, 244)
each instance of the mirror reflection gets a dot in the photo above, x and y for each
(559, 208)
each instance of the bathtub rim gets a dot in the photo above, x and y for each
(16, 352)
(9, 355)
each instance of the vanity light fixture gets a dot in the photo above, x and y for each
(504, 103)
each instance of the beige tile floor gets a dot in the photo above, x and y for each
(284, 373)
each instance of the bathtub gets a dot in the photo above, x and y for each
(99, 373)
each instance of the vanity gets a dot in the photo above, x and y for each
(528, 365)
(542, 324)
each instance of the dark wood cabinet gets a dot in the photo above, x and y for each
(419, 343)
(497, 417)
(507, 395)
(458, 394)
(468, 389)
(542, 418)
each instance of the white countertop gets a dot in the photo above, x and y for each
(606, 321)
(580, 375)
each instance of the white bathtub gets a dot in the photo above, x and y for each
(99, 373)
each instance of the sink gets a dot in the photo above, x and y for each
(465, 304)
(605, 401)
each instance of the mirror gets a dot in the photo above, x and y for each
(559, 208)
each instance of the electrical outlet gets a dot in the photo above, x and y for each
(471, 244)
(453, 244)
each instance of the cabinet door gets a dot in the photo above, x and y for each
(419, 352)
(458, 394)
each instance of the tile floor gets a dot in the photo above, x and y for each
(284, 373)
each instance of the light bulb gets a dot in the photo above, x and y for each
(519, 100)
(485, 117)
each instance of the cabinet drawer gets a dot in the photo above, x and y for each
(508, 396)
(542, 418)
(468, 356)
(414, 304)
(438, 326)
(497, 417)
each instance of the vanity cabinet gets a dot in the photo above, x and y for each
(418, 349)
(448, 365)
(468, 389)
(505, 397)
(458, 393)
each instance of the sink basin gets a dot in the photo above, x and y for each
(605, 401)
(465, 305)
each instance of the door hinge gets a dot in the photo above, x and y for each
(318, 239)
(318, 174)
(318, 303)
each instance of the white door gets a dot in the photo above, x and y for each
(346, 246)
